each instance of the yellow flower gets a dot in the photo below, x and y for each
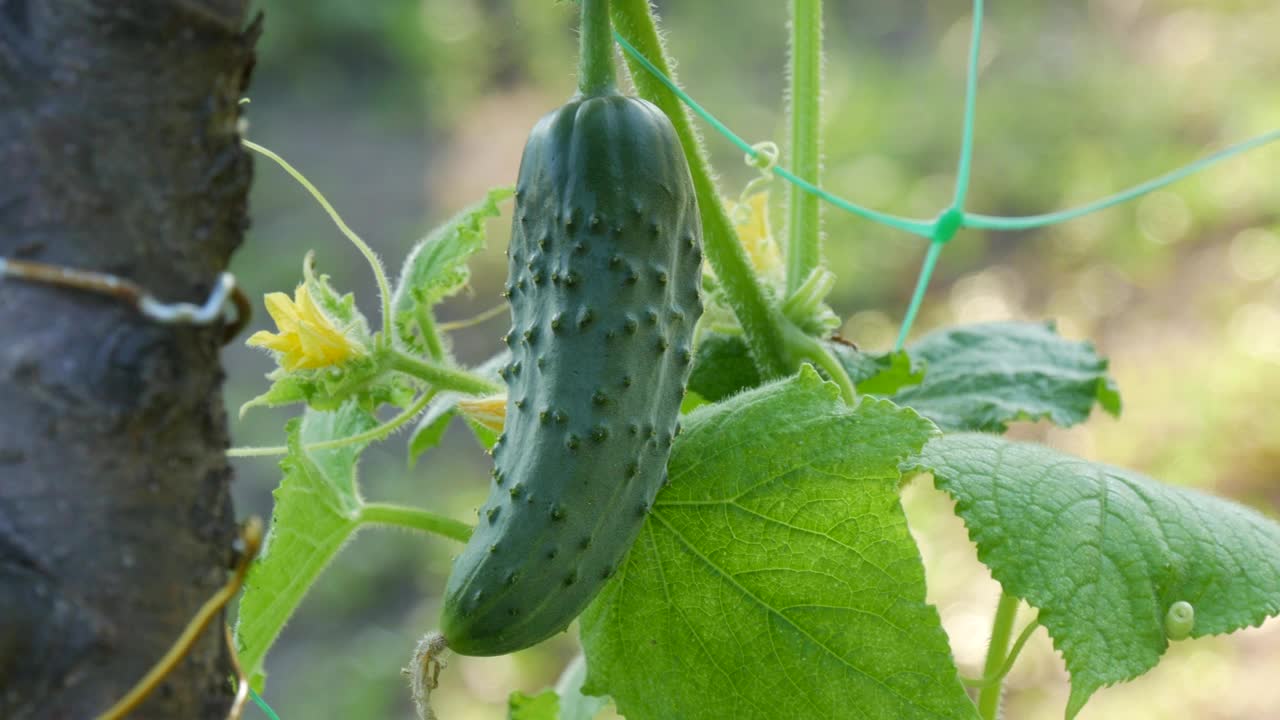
(752, 223)
(307, 338)
(489, 412)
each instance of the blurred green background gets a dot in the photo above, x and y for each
(403, 111)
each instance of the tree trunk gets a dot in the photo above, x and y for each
(119, 152)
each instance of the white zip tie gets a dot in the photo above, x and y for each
(188, 313)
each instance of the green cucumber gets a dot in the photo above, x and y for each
(605, 262)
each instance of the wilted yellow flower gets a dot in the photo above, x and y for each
(490, 411)
(307, 338)
(753, 232)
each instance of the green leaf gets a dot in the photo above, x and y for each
(341, 308)
(723, 367)
(286, 389)
(573, 704)
(878, 373)
(317, 506)
(432, 425)
(564, 702)
(1104, 553)
(775, 577)
(543, 706)
(437, 266)
(435, 421)
(982, 377)
(363, 380)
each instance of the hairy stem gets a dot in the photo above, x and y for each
(375, 435)
(414, 519)
(1018, 644)
(812, 349)
(430, 332)
(1001, 629)
(595, 60)
(379, 273)
(761, 323)
(441, 376)
(804, 245)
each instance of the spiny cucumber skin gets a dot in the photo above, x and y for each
(605, 263)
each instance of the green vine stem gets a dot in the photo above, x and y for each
(762, 324)
(379, 273)
(810, 348)
(595, 72)
(412, 518)
(376, 434)
(430, 332)
(441, 377)
(997, 652)
(804, 239)
(1018, 644)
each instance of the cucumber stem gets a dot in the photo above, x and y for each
(1001, 630)
(595, 74)
(430, 332)
(804, 240)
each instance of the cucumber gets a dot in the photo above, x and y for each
(604, 272)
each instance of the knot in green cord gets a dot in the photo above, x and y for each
(947, 225)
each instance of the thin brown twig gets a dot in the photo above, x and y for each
(251, 537)
(242, 682)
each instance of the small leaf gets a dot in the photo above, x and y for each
(982, 377)
(286, 389)
(362, 380)
(564, 702)
(1105, 553)
(437, 266)
(341, 308)
(573, 704)
(543, 706)
(432, 425)
(776, 577)
(435, 421)
(316, 508)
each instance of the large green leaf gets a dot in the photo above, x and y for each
(776, 577)
(982, 377)
(1105, 552)
(317, 508)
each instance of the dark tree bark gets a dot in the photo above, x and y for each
(119, 152)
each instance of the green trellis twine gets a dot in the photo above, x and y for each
(940, 230)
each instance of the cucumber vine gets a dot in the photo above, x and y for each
(782, 511)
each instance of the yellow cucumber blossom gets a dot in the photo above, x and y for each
(307, 338)
(751, 220)
(489, 412)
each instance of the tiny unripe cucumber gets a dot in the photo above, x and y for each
(605, 263)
